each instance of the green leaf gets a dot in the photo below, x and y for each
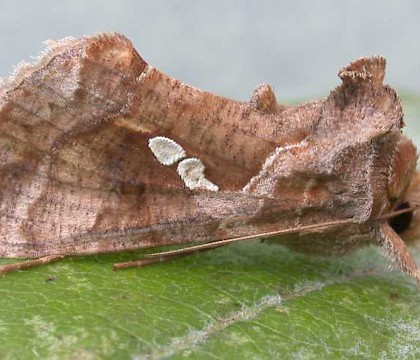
(246, 301)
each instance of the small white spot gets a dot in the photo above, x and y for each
(167, 151)
(191, 172)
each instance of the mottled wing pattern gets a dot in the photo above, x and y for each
(77, 170)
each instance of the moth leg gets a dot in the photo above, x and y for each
(29, 263)
(396, 250)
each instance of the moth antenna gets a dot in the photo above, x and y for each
(169, 255)
(398, 212)
(29, 263)
(154, 258)
(302, 229)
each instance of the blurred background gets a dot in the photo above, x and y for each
(229, 47)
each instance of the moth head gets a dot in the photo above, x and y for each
(404, 190)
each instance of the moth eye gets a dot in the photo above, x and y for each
(401, 222)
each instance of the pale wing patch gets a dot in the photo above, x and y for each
(191, 172)
(167, 151)
(264, 182)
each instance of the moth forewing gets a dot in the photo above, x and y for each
(101, 152)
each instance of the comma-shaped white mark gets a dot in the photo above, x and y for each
(167, 151)
(191, 172)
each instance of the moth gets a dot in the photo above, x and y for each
(101, 152)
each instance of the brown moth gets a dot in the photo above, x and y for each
(101, 152)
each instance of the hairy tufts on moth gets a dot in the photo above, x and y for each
(91, 162)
